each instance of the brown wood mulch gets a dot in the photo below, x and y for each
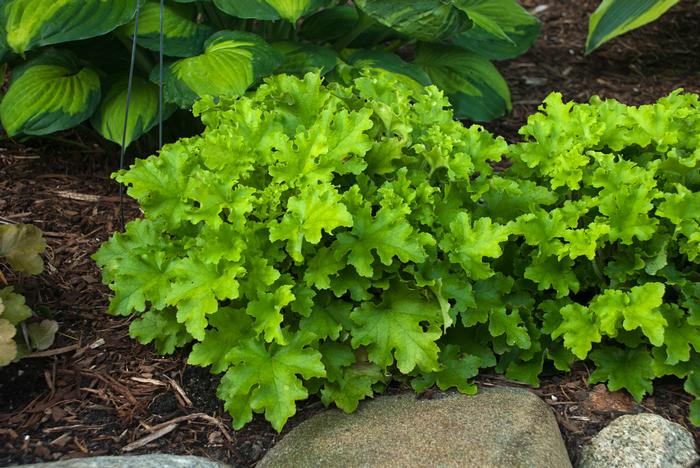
(99, 392)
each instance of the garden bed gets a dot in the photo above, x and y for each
(97, 391)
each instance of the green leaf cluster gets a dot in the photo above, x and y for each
(21, 246)
(315, 239)
(326, 238)
(615, 17)
(69, 58)
(604, 203)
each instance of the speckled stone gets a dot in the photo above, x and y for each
(495, 428)
(157, 460)
(640, 441)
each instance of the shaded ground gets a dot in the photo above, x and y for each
(98, 392)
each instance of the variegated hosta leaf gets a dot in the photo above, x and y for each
(615, 17)
(425, 20)
(182, 37)
(32, 23)
(290, 10)
(390, 62)
(143, 111)
(502, 28)
(50, 93)
(232, 61)
(300, 59)
(476, 89)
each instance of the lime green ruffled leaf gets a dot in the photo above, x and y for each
(502, 29)
(267, 313)
(290, 10)
(317, 209)
(510, 325)
(108, 120)
(457, 369)
(637, 308)
(615, 17)
(348, 381)
(162, 328)
(267, 378)
(33, 23)
(300, 58)
(476, 89)
(390, 62)
(50, 93)
(232, 61)
(578, 329)
(630, 369)
(387, 233)
(679, 335)
(182, 36)
(228, 327)
(21, 246)
(692, 386)
(468, 242)
(425, 20)
(393, 330)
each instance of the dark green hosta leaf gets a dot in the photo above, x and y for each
(232, 61)
(330, 24)
(32, 23)
(476, 89)
(390, 62)
(4, 48)
(290, 10)
(143, 111)
(502, 28)
(615, 17)
(50, 93)
(425, 20)
(182, 37)
(300, 59)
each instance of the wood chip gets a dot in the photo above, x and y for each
(149, 438)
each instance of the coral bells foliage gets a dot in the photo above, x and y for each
(324, 239)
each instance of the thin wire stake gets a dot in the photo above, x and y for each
(132, 64)
(160, 80)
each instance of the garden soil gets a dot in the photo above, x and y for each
(98, 392)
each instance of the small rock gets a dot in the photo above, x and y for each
(156, 460)
(640, 441)
(496, 428)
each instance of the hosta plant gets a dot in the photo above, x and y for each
(316, 239)
(20, 248)
(69, 58)
(615, 17)
(604, 204)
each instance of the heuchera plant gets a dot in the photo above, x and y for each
(326, 239)
(605, 202)
(314, 239)
(21, 246)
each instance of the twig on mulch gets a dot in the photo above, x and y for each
(159, 430)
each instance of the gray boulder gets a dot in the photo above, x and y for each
(640, 441)
(156, 460)
(495, 428)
